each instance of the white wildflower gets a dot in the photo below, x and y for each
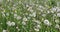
(13, 23)
(43, 15)
(34, 14)
(7, 14)
(57, 21)
(48, 11)
(41, 6)
(15, 15)
(38, 26)
(27, 5)
(17, 27)
(56, 26)
(4, 31)
(58, 14)
(31, 10)
(58, 10)
(18, 17)
(36, 29)
(28, 17)
(24, 23)
(9, 23)
(25, 19)
(46, 22)
(54, 9)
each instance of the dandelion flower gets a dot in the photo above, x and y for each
(46, 22)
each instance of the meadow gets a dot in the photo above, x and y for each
(29, 15)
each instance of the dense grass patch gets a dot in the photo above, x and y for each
(29, 15)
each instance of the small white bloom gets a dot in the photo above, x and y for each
(58, 14)
(31, 10)
(54, 9)
(58, 10)
(24, 23)
(15, 15)
(28, 17)
(41, 6)
(43, 15)
(56, 26)
(48, 11)
(17, 27)
(57, 21)
(46, 22)
(13, 23)
(34, 14)
(18, 17)
(7, 14)
(38, 26)
(36, 29)
(4, 30)
(9, 23)
(25, 19)
(27, 5)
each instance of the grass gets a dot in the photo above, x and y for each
(23, 9)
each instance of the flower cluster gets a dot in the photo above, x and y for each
(29, 16)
